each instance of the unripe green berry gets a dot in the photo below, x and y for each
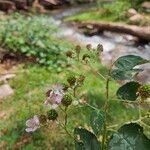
(71, 80)
(144, 92)
(67, 100)
(85, 56)
(69, 54)
(78, 49)
(52, 114)
(89, 47)
(100, 48)
(65, 87)
(80, 79)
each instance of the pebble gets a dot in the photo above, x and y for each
(5, 91)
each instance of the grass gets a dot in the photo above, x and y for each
(111, 12)
(34, 37)
(105, 12)
(30, 85)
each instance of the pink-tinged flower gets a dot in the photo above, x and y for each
(32, 124)
(54, 96)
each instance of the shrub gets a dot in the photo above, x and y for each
(33, 37)
(100, 134)
(117, 10)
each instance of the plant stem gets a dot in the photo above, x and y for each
(105, 111)
(66, 116)
(78, 55)
(91, 106)
(74, 92)
(139, 109)
(67, 132)
(105, 114)
(97, 73)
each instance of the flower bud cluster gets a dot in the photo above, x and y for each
(85, 55)
(58, 94)
(144, 92)
(62, 94)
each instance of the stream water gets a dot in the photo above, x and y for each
(114, 44)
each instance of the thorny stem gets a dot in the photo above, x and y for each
(104, 138)
(66, 116)
(65, 128)
(101, 75)
(139, 109)
(78, 56)
(74, 91)
(91, 106)
(105, 114)
(97, 73)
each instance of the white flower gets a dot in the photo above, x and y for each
(32, 124)
(54, 96)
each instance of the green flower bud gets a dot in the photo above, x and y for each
(100, 48)
(42, 119)
(69, 54)
(144, 92)
(81, 79)
(86, 58)
(78, 49)
(67, 100)
(71, 80)
(89, 46)
(52, 114)
(65, 87)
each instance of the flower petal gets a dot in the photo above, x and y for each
(29, 123)
(58, 98)
(36, 120)
(29, 130)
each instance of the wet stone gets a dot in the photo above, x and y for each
(5, 91)
(6, 77)
(146, 6)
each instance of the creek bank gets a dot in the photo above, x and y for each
(115, 44)
(9, 6)
(142, 33)
(5, 91)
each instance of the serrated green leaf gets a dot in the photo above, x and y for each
(87, 140)
(125, 67)
(128, 62)
(96, 121)
(129, 137)
(118, 74)
(128, 91)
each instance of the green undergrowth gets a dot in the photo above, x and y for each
(30, 85)
(110, 12)
(33, 36)
(33, 80)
